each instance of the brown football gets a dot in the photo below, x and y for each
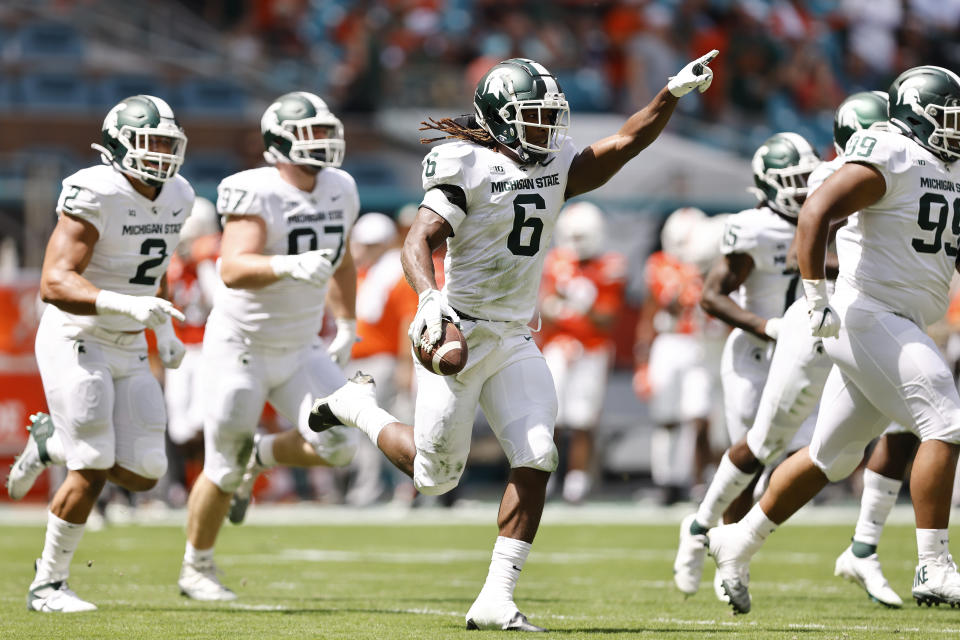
(449, 356)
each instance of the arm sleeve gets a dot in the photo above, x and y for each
(444, 181)
(739, 235)
(236, 196)
(884, 151)
(80, 202)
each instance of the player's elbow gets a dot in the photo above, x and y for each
(231, 274)
(708, 301)
(52, 289)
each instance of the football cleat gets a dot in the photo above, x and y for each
(518, 622)
(56, 597)
(30, 464)
(937, 581)
(732, 548)
(867, 573)
(343, 405)
(691, 552)
(201, 582)
(240, 499)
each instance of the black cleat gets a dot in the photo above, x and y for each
(321, 417)
(348, 398)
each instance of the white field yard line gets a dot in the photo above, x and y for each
(700, 622)
(444, 556)
(812, 626)
(468, 513)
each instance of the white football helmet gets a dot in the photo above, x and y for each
(582, 229)
(288, 125)
(679, 232)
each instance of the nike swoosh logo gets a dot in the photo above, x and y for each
(177, 212)
(142, 358)
(40, 605)
(334, 198)
(528, 338)
(543, 164)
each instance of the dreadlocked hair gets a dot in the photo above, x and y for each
(462, 128)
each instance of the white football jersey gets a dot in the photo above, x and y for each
(286, 313)
(823, 171)
(901, 250)
(495, 256)
(137, 235)
(765, 237)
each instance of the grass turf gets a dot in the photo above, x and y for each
(399, 582)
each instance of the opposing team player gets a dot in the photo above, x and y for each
(581, 295)
(897, 255)
(283, 253)
(493, 197)
(673, 373)
(786, 413)
(118, 225)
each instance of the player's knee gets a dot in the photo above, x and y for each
(435, 474)
(336, 446)
(154, 465)
(538, 452)
(839, 466)
(429, 488)
(130, 480)
(227, 481)
(341, 456)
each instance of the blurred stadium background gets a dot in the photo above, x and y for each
(385, 65)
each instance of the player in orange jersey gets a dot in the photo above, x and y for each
(191, 281)
(385, 306)
(582, 292)
(673, 371)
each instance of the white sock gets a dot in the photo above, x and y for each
(372, 420)
(55, 449)
(264, 450)
(879, 496)
(757, 522)
(932, 543)
(61, 542)
(196, 556)
(728, 482)
(509, 556)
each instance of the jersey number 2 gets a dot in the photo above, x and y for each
(520, 222)
(147, 249)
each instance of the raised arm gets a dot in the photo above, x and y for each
(601, 160)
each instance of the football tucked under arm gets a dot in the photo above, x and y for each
(449, 356)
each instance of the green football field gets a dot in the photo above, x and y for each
(376, 580)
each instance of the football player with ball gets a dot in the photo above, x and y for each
(493, 196)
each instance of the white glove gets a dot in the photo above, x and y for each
(169, 347)
(342, 343)
(312, 266)
(146, 310)
(430, 311)
(824, 321)
(696, 75)
(772, 328)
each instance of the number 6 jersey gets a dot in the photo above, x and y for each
(286, 313)
(901, 250)
(137, 235)
(502, 215)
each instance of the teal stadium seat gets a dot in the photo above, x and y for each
(46, 41)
